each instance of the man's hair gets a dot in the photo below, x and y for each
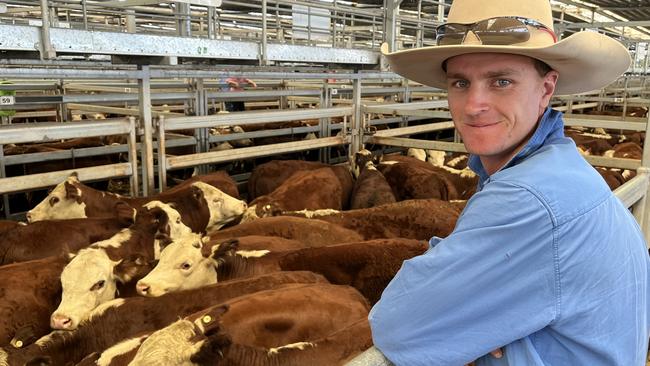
(540, 66)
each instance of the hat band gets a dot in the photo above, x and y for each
(491, 31)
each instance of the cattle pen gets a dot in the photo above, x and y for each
(145, 107)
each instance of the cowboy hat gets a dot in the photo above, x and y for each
(585, 60)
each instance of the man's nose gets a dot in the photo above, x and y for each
(477, 101)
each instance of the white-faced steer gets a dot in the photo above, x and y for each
(366, 265)
(94, 274)
(201, 205)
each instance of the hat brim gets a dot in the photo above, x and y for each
(585, 61)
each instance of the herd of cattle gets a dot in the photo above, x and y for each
(196, 275)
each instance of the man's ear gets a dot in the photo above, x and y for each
(549, 83)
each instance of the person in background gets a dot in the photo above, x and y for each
(236, 84)
(545, 265)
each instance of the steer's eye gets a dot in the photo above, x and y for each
(98, 285)
(54, 200)
(185, 266)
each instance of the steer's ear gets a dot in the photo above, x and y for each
(71, 192)
(197, 193)
(131, 268)
(39, 361)
(124, 213)
(220, 251)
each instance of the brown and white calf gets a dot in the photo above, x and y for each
(29, 291)
(311, 232)
(312, 190)
(267, 177)
(368, 265)
(414, 219)
(201, 205)
(410, 181)
(93, 274)
(371, 189)
(123, 319)
(53, 237)
(308, 324)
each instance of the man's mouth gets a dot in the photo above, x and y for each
(482, 125)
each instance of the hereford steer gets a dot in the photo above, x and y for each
(410, 181)
(413, 219)
(316, 324)
(53, 237)
(93, 274)
(29, 292)
(267, 177)
(124, 319)
(371, 189)
(201, 205)
(312, 190)
(311, 232)
(368, 265)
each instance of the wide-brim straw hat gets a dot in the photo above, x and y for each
(585, 60)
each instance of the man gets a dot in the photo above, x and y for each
(235, 84)
(545, 263)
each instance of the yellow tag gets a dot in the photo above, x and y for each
(206, 319)
(19, 344)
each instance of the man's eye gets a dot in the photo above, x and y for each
(503, 83)
(460, 84)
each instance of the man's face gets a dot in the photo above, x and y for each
(495, 101)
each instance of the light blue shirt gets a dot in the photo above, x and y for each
(544, 260)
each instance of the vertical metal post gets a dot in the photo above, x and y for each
(334, 16)
(324, 124)
(130, 21)
(162, 154)
(441, 11)
(309, 25)
(3, 174)
(184, 21)
(144, 95)
(47, 51)
(392, 10)
(84, 14)
(201, 109)
(133, 158)
(264, 56)
(419, 34)
(356, 139)
(211, 22)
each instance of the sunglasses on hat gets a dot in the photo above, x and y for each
(492, 31)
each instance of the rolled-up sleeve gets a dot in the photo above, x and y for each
(492, 281)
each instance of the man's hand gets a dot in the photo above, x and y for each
(497, 353)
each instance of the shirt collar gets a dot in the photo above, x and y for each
(549, 128)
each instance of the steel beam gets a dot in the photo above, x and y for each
(248, 118)
(33, 181)
(251, 152)
(49, 131)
